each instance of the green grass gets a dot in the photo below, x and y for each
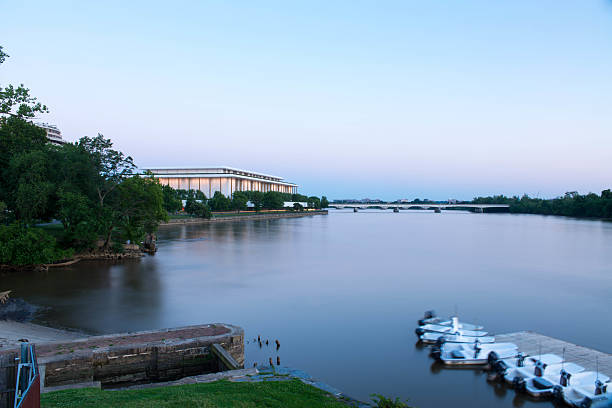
(220, 394)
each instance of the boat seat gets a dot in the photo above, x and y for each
(542, 383)
(457, 354)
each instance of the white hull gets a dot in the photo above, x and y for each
(432, 338)
(474, 354)
(553, 377)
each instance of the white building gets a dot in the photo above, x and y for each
(224, 179)
(53, 133)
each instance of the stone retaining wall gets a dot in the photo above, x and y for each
(259, 216)
(131, 358)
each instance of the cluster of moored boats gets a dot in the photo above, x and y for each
(540, 376)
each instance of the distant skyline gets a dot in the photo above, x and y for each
(351, 99)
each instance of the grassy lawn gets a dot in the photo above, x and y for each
(281, 394)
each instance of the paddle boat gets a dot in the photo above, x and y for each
(531, 366)
(473, 354)
(438, 338)
(587, 389)
(431, 318)
(556, 375)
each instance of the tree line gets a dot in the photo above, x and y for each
(198, 205)
(571, 204)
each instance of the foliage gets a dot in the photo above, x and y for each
(571, 204)
(383, 402)
(220, 394)
(139, 208)
(111, 166)
(219, 202)
(324, 202)
(80, 227)
(239, 201)
(273, 200)
(314, 202)
(20, 245)
(198, 208)
(17, 101)
(298, 207)
(256, 198)
(172, 203)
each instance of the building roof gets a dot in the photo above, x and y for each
(214, 170)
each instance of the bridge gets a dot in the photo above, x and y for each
(437, 207)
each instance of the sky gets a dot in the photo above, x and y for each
(351, 99)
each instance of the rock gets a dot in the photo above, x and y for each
(150, 243)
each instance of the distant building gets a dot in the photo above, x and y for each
(452, 201)
(53, 133)
(227, 180)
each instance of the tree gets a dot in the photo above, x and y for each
(111, 167)
(256, 198)
(172, 203)
(298, 207)
(219, 202)
(34, 189)
(20, 245)
(140, 207)
(239, 201)
(80, 226)
(314, 202)
(17, 101)
(273, 200)
(324, 202)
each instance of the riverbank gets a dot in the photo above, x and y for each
(244, 216)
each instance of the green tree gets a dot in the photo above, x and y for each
(239, 201)
(80, 226)
(273, 200)
(219, 202)
(324, 202)
(17, 101)
(20, 246)
(111, 167)
(314, 202)
(34, 189)
(256, 198)
(140, 207)
(172, 203)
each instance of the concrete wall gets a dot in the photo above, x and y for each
(164, 359)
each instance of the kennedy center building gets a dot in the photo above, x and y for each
(223, 179)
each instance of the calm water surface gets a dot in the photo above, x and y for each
(342, 292)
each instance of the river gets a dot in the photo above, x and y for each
(342, 292)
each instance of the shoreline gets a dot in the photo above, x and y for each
(243, 217)
(135, 252)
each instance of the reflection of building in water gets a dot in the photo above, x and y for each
(53, 133)
(224, 179)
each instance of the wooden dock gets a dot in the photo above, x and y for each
(530, 343)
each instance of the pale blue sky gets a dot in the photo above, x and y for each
(388, 99)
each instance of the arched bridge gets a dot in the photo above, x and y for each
(423, 206)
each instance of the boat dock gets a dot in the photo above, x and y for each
(533, 343)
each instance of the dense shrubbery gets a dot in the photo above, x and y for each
(20, 245)
(571, 204)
